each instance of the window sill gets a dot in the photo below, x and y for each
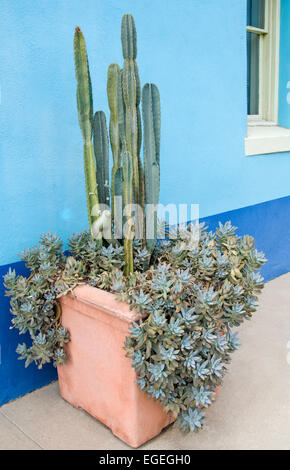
(267, 139)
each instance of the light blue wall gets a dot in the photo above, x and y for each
(194, 50)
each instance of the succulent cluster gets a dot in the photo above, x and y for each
(191, 300)
(130, 183)
(34, 303)
(190, 297)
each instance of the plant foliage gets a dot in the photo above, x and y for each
(130, 181)
(191, 298)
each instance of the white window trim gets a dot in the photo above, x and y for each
(264, 134)
(269, 64)
(266, 139)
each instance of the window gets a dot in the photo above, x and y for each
(263, 21)
(263, 37)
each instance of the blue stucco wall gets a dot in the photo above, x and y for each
(196, 52)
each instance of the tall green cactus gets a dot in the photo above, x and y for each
(119, 203)
(85, 112)
(112, 92)
(121, 112)
(151, 149)
(131, 94)
(129, 37)
(128, 198)
(128, 178)
(101, 149)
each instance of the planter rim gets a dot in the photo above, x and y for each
(102, 300)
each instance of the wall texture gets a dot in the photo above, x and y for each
(196, 52)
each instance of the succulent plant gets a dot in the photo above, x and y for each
(190, 297)
(101, 149)
(131, 88)
(182, 346)
(85, 112)
(128, 198)
(125, 130)
(115, 139)
(185, 341)
(151, 143)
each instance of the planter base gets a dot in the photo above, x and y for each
(98, 377)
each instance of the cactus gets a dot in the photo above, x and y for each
(118, 182)
(129, 37)
(121, 112)
(112, 92)
(151, 148)
(128, 179)
(128, 198)
(131, 94)
(119, 203)
(85, 112)
(101, 149)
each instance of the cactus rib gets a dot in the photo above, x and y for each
(128, 196)
(112, 92)
(129, 37)
(101, 148)
(85, 113)
(151, 149)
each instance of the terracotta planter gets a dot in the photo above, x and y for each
(98, 377)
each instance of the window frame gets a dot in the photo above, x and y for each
(268, 66)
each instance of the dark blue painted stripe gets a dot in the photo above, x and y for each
(15, 380)
(268, 223)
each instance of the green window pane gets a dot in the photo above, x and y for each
(256, 13)
(253, 45)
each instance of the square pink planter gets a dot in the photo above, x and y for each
(98, 377)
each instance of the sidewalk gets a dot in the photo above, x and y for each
(251, 412)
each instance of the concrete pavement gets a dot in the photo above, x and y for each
(251, 412)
